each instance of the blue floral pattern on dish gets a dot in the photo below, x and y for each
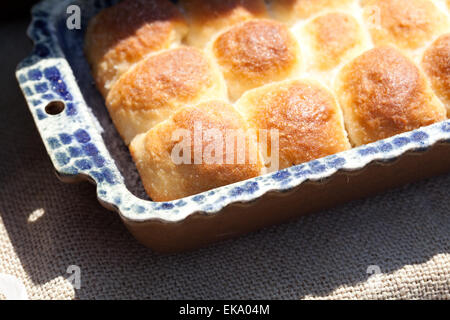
(76, 147)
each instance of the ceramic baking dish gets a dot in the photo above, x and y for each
(83, 144)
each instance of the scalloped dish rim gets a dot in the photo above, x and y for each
(46, 76)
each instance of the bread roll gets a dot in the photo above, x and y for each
(291, 10)
(382, 93)
(436, 63)
(306, 115)
(169, 173)
(333, 38)
(206, 18)
(123, 34)
(407, 24)
(157, 86)
(254, 53)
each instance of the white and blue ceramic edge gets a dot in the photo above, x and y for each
(76, 148)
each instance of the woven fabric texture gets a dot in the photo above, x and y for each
(47, 226)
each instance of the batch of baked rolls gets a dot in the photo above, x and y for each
(324, 75)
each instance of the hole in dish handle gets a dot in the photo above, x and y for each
(55, 107)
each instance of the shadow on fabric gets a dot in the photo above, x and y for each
(52, 225)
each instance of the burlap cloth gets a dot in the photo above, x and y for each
(46, 226)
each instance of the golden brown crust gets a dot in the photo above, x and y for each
(209, 17)
(306, 116)
(123, 34)
(155, 87)
(178, 73)
(159, 85)
(407, 24)
(333, 36)
(436, 63)
(254, 53)
(289, 10)
(382, 93)
(165, 179)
